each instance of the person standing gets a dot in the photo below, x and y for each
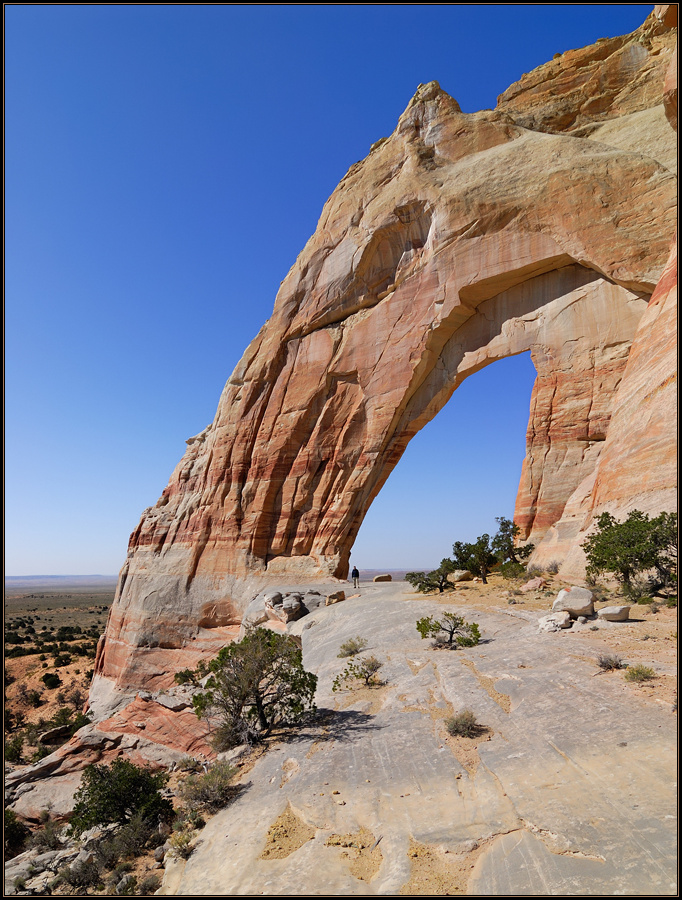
(355, 575)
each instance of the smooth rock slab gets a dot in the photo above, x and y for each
(580, 803)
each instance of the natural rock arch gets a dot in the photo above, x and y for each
(459, 240)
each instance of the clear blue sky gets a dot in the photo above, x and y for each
(164, 167)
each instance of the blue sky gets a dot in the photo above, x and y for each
(164, 167)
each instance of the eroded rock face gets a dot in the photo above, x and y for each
(459, 240)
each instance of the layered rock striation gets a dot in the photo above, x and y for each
(543, 225)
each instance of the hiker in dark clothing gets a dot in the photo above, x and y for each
(355, 575)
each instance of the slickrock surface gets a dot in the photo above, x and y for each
(543, 225)
(568, 790)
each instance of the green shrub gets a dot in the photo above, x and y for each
(636, 546)
(463, 724)
(116, 793)
(49, 836)
(14, 748)
(81, 875)
(133, 838)
(149, 885)
(181, 844)
(213, 790)
(352, 646)
(16, 834)
(51, 680)
(511, 570)
(639, 673)
(457, 632)
(363, 669)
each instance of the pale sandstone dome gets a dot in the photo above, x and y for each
(542, 225)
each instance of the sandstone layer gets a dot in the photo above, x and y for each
(543, 225)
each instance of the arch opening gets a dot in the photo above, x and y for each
(456, 475)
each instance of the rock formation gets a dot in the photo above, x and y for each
(542, 225)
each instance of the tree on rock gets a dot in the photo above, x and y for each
(456, 632)
(255, 684)
(432, 581)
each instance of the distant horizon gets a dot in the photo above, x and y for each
(115, 576)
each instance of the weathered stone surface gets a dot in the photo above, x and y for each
(554, 621)
(576, 601)
(556, 765)
(459, 240)
(383, 578)
(614, 613)
(459, 575)
(336, 597)
(609, 79)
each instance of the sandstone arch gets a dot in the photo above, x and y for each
(459, 239)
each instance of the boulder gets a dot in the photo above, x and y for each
(460, 575)
(383, 578)
(255, 613)
(285, 608)
(576, 601)
(554, 622)
(614, 613)
(312, 600)
(535, 584)
(336, 597)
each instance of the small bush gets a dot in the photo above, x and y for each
(133, 837)
(213, 790)
(149, 885)
(511, 570)
(639, 673)
(364, 669)
(16, 834)
(14, 748)
(81, 876)
(48, 837)
(181, 844)
(108, 854)
(458, 633)
(464, 724)
(534, 571)
(51, 680)
(610, 661)
(553, 567)
(352, 646)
